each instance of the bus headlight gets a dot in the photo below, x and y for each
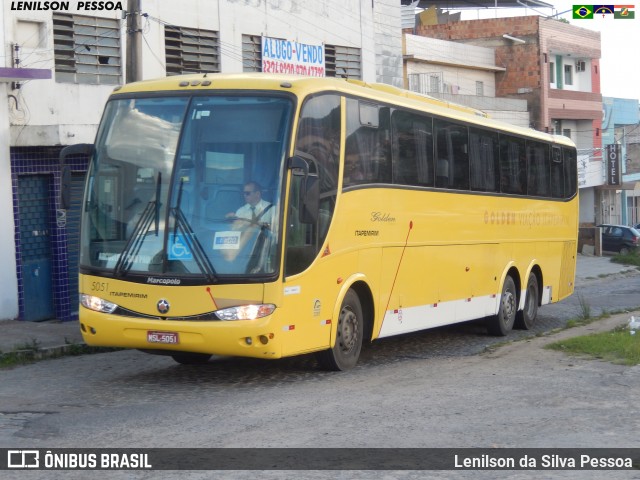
(245, 312)
(97, 304)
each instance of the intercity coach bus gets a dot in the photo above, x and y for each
(383, 212)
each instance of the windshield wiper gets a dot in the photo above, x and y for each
(183, 226)
(134, 244)
(151, 213)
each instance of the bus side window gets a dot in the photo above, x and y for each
(513, 165)
(483, 159)
(368, 149)
(412, 148)
(557, 173)
(452, 150)
(538, 169)
(570, 171)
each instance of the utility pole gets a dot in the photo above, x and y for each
(134, 42)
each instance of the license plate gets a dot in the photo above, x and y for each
(162, 337)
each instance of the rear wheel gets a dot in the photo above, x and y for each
(527, 317)
(344, 354)
(502, 323)
(188, 358)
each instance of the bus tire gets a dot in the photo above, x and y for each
(527, 317)
(189, 358)
(502, 323)
(349, 333)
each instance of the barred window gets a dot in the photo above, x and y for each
(251, 53)
(86, 49)
(344, 62)
(191, 50)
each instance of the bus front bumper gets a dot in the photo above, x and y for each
(247, 338)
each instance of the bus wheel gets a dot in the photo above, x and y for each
(188, 358)
(526, 318)
(502, 323)
(344, 354)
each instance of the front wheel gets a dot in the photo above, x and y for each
(502, 323)
(527, 317)
(344, 354)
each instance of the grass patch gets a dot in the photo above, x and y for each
(584, 312)
(617, 346)
(632, 258)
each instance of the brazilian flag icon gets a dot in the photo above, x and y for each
(582, 11)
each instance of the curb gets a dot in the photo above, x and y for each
(72, 349)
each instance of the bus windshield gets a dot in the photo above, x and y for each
(187, 186)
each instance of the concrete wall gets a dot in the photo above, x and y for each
(8, 281)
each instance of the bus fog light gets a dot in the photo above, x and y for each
(263, 339)
(248, 340)
(245, 312)
(97, 304)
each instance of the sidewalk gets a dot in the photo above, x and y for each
(53, 337)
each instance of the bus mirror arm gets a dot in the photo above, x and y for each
(298, 162)
(65, 170)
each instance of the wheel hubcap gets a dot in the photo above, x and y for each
(508, 306)
(348, 331)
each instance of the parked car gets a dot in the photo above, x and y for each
(620, 238)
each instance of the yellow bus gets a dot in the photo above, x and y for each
(376, 212)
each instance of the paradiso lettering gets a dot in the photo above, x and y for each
(285, 56)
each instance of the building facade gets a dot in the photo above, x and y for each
(620, 195)
(86, 53)
(459, 73)
(555, 67)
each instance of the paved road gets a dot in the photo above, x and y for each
(431, 389)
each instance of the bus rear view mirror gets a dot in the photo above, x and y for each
(310, 200)
(85, 149)
(309, 193)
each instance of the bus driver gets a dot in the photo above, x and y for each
(256, 210)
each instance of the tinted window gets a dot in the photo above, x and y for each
(538, 181)
(367, 150)
(513, 165)
(570, 171)
(412, 149)
(557, 173)
(318, 136)
(483, 158)
(452, 155)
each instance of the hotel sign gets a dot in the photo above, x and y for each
(613, 164)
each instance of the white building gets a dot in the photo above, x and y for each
(459, 73)
(84, 51)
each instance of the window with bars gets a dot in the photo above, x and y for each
(191, 50)
(86, 49)
(251, 53)
(342, 62)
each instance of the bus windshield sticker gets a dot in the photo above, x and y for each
(178, 248)
(226, 241)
